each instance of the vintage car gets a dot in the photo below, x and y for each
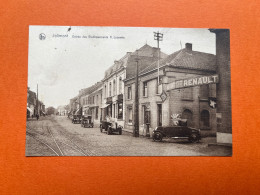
(76, 119)
(86, 121)
(110, 127)
(178, 131)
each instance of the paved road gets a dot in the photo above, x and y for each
(57, 136)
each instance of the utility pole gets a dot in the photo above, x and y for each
(136, 129)
(158, 37)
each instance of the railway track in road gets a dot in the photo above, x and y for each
(57, 146)
(42, 142)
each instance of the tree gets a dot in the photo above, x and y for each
(50, 110)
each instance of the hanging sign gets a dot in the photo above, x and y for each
(163, 96)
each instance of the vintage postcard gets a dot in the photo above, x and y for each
(128, 91)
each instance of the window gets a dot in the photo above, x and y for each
(93, 100)
(120, 111)
(145, 89)
(187, 93)
(97, 99)
(130, 115)
(120, 85)
(204, 118)
(105, 91)
(204, 91)
(114, 87)
(129, 93)
(187, 114)
(110, 89)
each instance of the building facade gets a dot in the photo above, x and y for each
(223, 90)
(158, 106)
(113, 91)
(113, 83)
(91, 103)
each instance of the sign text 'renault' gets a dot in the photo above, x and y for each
(203, 80)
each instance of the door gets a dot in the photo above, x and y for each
(159, 114)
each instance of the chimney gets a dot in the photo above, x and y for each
(116, 61)
(188, 46)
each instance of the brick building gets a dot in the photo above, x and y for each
(224, 120)
(190, 103)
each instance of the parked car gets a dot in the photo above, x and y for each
(86, 121)
(110, 127)
(178, 131)
(76, 119)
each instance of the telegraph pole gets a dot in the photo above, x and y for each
(136, 130)
(158, 37)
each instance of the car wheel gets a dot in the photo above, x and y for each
(157, 136)
(193, 138)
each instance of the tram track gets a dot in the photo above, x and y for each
(42, 142)
(59, 145)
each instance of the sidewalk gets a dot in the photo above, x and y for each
(211, 141)
(141, 133)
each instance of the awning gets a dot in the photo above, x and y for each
(106, 105)
(79, 111)
(30, 110)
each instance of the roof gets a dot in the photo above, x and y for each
(32, 97)
(145, 52)
(188, 59)
(91, 89)
(117, 65)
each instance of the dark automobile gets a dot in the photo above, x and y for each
(76, 119)
(110, 127)
(86, 121)
(179, 131)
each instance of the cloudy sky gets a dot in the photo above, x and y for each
(63, 65)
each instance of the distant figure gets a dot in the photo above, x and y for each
(37, 116)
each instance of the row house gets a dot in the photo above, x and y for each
(73, 105)
(113, 105)
(32, 104)
(91, 102)
(190, 103)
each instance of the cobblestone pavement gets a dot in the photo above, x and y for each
(56, 135)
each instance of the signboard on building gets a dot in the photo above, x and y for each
(212, 102)
(163, 96)
(191, 82)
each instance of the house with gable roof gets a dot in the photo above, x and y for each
(113, 103)
(190, 103)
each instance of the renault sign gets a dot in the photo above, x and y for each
(191, 82)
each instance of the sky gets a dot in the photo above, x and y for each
(72, 58)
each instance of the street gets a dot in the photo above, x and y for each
(57, 136)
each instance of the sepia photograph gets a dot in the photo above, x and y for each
(128, 91)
